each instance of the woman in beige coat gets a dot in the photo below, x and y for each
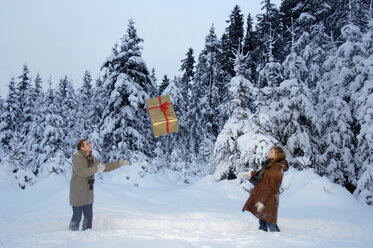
(264, 198)
(85, 165)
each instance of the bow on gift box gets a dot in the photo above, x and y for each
(164, 108)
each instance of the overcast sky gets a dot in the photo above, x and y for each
(67, 37)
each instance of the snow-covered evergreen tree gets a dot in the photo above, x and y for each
(248, 48)
(67, 108)
(125, 126)
(164, 84)
(339, 123)
(35, 135)
(98, 106)
(15, 136)
(364, 114)
(23, 119)
(2, 110)
(17, 161)
(294, 116)
(187, 66)
(179, 164)
(228, 149)
(98, 102)
(232, 40)
(85, 111)
(25, 103)
(214, 79)
(203, 122)
(8, 117)
(176, 140)
(153, 76)
(271, 74)
(311, 40)
(267, 29)
(52, 152)
(185, 84)
(362, 102)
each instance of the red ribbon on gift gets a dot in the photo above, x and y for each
(164, 108)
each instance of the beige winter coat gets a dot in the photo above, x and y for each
(80, 194)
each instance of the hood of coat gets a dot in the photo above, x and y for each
(284, 164)
(83, 153)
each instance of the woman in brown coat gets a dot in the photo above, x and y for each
(264, 198)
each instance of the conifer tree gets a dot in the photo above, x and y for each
(250, 41)
(294, 117)
(35, 136)
(8, 117)
(187, 67)
(340, 124)
(228, 146)
(85, 111)
(271, 74)
(2, 110)
(210, 71)
(52, 156)
(311, 39)
(204, 107)
(38, 89)
(17, 161)
(154, 77)
(125, 127)
(232, 41)
(363, 100)
(345, 12)
(13, 142)
(164, 84)
(180, 139)
(268, 28)
(25, 104)
(67, 108)
(200, 112)
(98, 102)
(98, 106)
(23, 118)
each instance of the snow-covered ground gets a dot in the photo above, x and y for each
(160, 211)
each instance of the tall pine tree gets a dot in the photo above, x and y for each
(125, 127)
(228, 147)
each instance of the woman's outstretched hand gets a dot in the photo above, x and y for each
(123, 162)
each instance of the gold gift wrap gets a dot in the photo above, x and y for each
(162, 115)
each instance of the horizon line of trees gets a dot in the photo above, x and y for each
(301, 78)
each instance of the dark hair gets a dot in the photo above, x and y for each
(80, 144)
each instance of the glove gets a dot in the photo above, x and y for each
(101, 167)
(123, 162)
(246, 175)
(259, 206)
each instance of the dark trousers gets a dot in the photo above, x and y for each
(77, 216)
(265, 226)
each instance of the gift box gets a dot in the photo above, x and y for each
(162, 115)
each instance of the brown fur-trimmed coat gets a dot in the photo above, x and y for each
(267, 192)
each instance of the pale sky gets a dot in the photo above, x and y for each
(67, 37)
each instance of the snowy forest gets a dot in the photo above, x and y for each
(300, 78)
